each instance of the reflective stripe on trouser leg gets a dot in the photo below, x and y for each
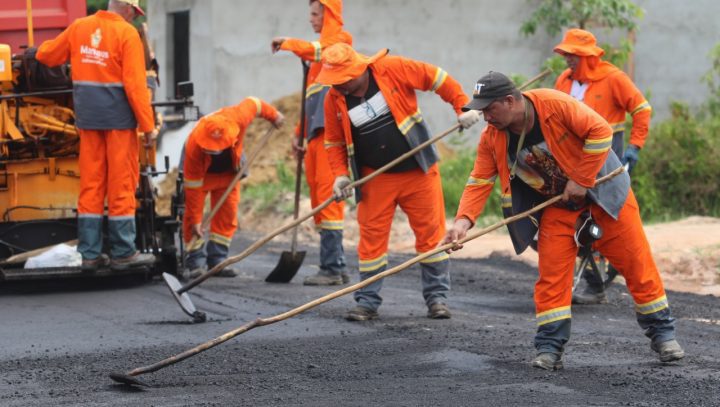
(625, 246)
(553, 290)
(332, 255)
(435, 272)
(90, 236)
(224, 224)
(369, 297)
(217, 250)
(121, 234)
(659, 325)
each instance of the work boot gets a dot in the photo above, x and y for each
(361, 314)
(669, 351)
(438, 310)
(135, 260)
(589, 296)
(323, 277)
(91, 265)
(345, 276)
(548, 361)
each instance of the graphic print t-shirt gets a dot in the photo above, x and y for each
(536, 165)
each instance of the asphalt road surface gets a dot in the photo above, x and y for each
(59, 341)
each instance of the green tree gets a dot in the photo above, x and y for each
(94, 5)
(556, 15)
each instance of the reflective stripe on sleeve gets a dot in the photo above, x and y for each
(597, 146)
(645, 105)
(258, 105)
(440, 76)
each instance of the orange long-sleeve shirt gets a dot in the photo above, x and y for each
(108, 72)
(197, 161)
(612, 97)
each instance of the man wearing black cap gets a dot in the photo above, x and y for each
(544, 143)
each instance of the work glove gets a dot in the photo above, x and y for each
(468, 119)
(339, 188)
(631, 156)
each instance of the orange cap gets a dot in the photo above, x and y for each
(341, 63)
(579, 42)
(219, 133)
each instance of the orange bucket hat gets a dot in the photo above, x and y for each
(219, 133)
(579, 42)
(341, 63)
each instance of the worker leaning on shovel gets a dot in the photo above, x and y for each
(326, 19)
(540, 144)
(212, 158)
(111, 104)
(610, 92)
(371, 118)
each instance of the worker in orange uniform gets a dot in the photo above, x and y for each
(371, 118)
(610, 92)
(111, 102)
(212, 157)
(544, 143)
(325, 19)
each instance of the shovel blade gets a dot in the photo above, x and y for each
(286, 268)
(182, 299)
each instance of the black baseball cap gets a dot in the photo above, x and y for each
(492, 86)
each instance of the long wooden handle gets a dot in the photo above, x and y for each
(256, 151)
(295, 311)
(250, 250)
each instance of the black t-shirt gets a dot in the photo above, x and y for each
(375, 134)
(222, 162)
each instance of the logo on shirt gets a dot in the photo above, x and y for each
(478, 88)
(95, 38)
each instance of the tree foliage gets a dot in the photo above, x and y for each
(555, 15)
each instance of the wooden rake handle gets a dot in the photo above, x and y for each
(295, 311)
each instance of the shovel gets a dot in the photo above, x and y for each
(291, 261)
(130, 378)
(250, 250)
(172, 282)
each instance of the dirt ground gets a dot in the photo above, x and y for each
(60, 341)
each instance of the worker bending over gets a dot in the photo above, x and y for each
(212, 158)
(540, 144)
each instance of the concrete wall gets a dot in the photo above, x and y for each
(231, 59)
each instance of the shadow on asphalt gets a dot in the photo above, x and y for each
(79, 284)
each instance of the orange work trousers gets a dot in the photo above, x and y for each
(623, 243)
(419, 195)
(108, 167)
(320, 179)
(224, 224)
